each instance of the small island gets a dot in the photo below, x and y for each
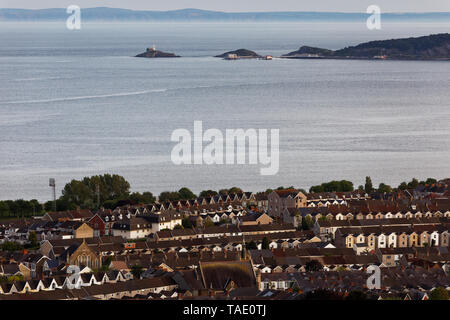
(153, 53)
(239, 54)
(432, 47)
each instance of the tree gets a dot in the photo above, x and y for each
(136, 271)
(235, 190)
(186, 194)
(265, 243)
(429, 181)
(169, 196)
(208, 193)
(414, 183)
(4, 209)
(368, 187)
(209, 223)
(333, 186)
(439, 293)
(32, 239)
(307, 223)
(84, 193)
(178, 227)
(11, 246)
(15, 278)
(403, 186)
(223, 192)
(313, 265)
(137, 198)
(384, 188)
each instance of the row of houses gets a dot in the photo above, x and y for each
(88, 286)
(393, 280)
(86, 278)
(372, 238)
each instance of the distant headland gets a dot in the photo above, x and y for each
(193, 15)
(432, 47)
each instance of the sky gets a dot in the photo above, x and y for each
(242, 5)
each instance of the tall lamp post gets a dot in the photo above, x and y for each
(52, 184)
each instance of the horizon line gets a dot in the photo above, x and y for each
(228, 12)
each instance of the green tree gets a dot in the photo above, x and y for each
(208, 193)
(32, 238)
(439, 293)
(137, 198)
(265, 243)
(4, 209)
(384, 188)
(429, 181)
(11, 246)
(186, 194)
(333, 186)
(368, 186)
(209, 223)
(15, 278)
(84, 193)
(307, 223)
(414, 183)
(168, 196)
(403, 186)
(235, 190)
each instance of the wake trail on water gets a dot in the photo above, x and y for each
(124, 94)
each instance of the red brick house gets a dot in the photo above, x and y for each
(97, 223)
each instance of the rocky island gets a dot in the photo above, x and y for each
(432, 47)
(239, 54)
(153, 53)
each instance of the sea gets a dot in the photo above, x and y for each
(76, 103)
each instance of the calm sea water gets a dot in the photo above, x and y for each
(76, 103)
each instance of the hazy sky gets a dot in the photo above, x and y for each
(242, 5)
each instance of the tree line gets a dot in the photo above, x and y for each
(20, 208)
(347, 186)
(111, 191)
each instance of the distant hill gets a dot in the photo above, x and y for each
(116, 14)
(432, 47)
